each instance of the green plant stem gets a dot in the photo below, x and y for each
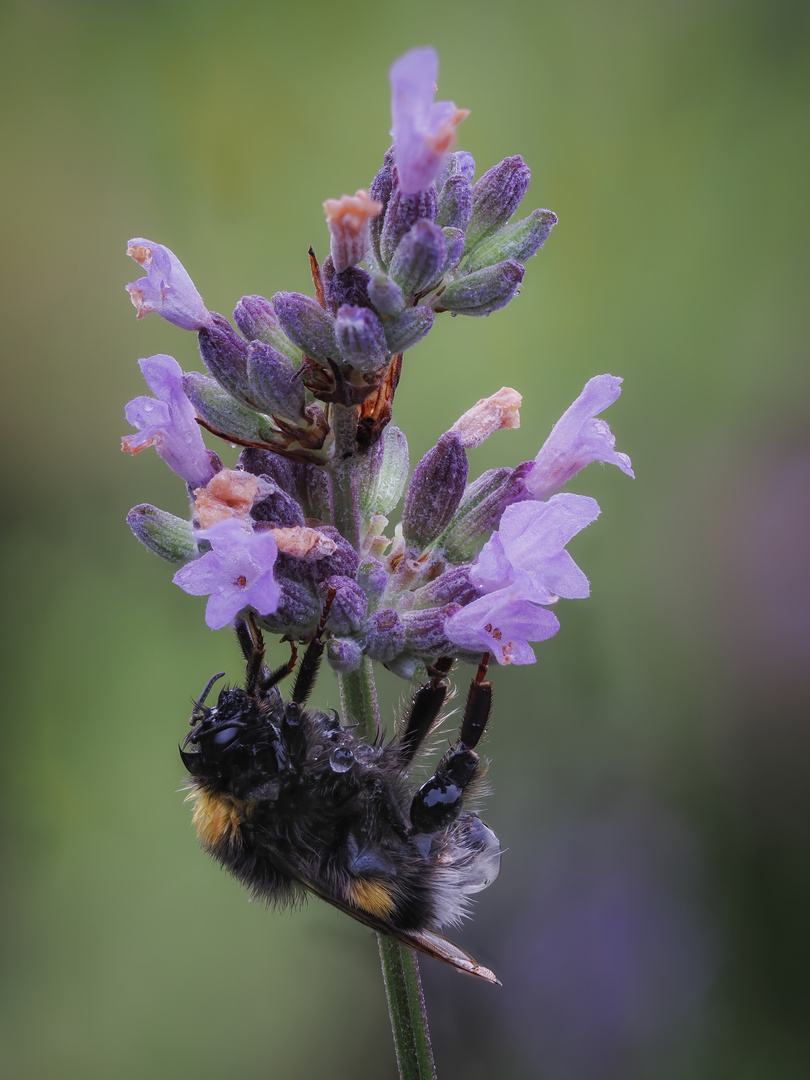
(358, 692)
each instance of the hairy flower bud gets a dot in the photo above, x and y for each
(481, 509)
(306, 324)
(361, 338)
(275, 384)
(455, 203)
(424, 631)
(519, 241)
(381, 187)
(419, 258)
(460, 163)
(344, 655)
(401, 215)
(278, 508)
(407, 329)
(484, 291)
(224, 353)
(256, 318)
(451, 587)
(496, 196)
(349, 605)
(385, 474)
(163, 533)
(384, 635)
(223, 413)
(386, 296)
(349, 287)
(435, 491)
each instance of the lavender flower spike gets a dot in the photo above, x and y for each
(577, 439)
(502, 623)
(167, 422)
(423, 130)
(167, 289)
(236, 573)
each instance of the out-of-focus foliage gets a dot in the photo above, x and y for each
(650, 773)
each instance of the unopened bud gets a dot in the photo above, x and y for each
(424, 631)
(224, 353)
(306, 324)
(401, 215)
(435, 491)
(419, 258)
(275, 383)
(386, 296)
(481, 509)
(349, 605)
(163, 533)
(385, 474)
(277, 507)
(348, 287)
(343, 655)
(384, 635)
(406, 330)
(223, 413)
(496, 196)
(455, 203)
(519, 241)
(484, 291)
(361, 338)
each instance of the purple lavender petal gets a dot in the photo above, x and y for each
(236, 573)
(577, 439)
(527, 551)
(423, 130)
(167, 422)
(167, 289)
(502, 623)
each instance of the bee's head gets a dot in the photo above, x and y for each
(233, 741)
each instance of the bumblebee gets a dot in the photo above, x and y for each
(291, 801)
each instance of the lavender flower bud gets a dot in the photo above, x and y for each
(361, 338)
(298, 611)
(224, 353)
(223, 413)
(306, 324)
(348, 219)
(265, 463)
(455, 241)
(519, 241)
(348, 287)
(385, 474)
(278, 508)
(406, 330)
(419, 258)
(256, 318)
(372, 579)
(275, 384)
(168, 536)
(481, 510)
(484, 291)
(349, 605)
(424, 631)
(344, 561)
(384, 635)
(451, 587)
(455, 203)
(386, 296)
(435, 491)
(496, 196)
(343, 655)
(380, 190)
(313, 492)
(460, 163)
(401, 215)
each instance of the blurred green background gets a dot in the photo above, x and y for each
(651, 778)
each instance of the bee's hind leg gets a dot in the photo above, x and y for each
(439, 800)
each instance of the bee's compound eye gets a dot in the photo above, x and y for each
(341, 759)
(225, 736)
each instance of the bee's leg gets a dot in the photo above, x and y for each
(439, 800)
(307, 672)
(426, 705)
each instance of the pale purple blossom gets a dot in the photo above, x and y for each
(167, 289)
(502, 623)
(423, 130)
(577, 439)
(527, 551)
(235, 574)
(167, 422)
